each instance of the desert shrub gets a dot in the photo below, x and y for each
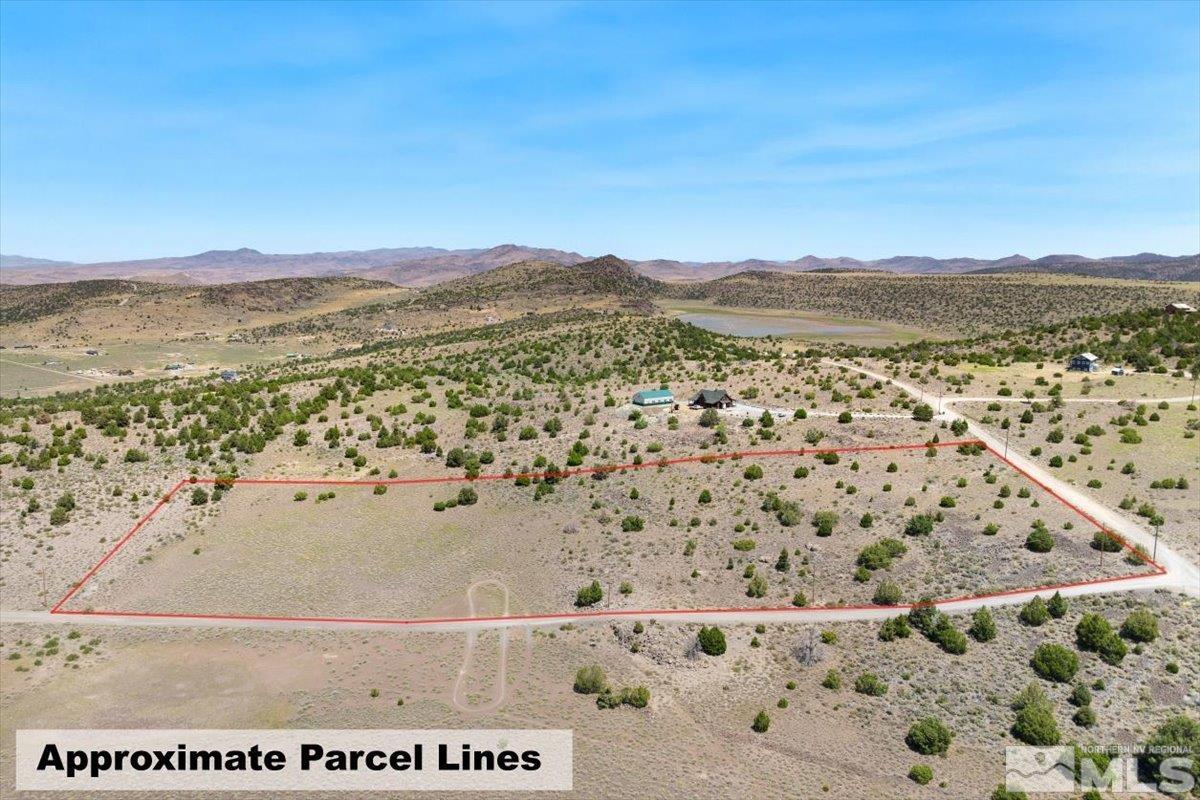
(762, 721)
(709, 418)
(1178, 734)
(1105, 542)
(589, 595)
(920, 774)
(1057, 605)
(983, 626)
(1094, 634)
(869, 684)
(1084, 717)
(948, 637)
(929, 737)
(757, 587)
(591, 680)
(880, 554)
(1053, 662)
(1140, 626)
(922, 412)
(632, 524)
(894, 628)
(753, 472)
(712, 640)
(1039, 540)
(1034, 612)
(832, 680)
(920, 525)
(886, 594)
(199, 496)
(824, 522)
(1035, 723)
(924, 616)
(467, 496)
(635, 696)
(1081, 695)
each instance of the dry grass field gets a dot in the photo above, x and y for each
(359, 554)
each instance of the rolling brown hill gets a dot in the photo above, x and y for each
(107, 309)
(427, 266)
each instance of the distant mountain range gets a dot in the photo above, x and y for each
(425, 266)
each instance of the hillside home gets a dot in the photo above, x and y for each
(1084, 362)
(1179, 308)
(653, 397)
(713, 398)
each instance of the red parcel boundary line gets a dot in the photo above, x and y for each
(582, 615)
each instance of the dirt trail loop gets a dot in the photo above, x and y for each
(459, 697)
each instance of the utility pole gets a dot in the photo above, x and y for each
(1154, 555)
(1007, 432)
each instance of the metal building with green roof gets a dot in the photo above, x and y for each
(653, 397)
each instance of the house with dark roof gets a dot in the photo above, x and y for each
(1085, 362)
(713, 398)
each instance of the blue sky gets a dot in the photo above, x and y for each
(699, 131)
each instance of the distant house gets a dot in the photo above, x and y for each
(1085, 362)
(173, 367)
(1118, 370)
(1179, 308)
(229, 375)
(713, 398)
(91, 351)
(653, 397)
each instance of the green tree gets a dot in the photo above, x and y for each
(1057, 606)
(589, 595)
(824, 522)
(929, 737)
(1035, 723)
(1034, 612)
(1053, 662)
(712, 640)
(1039, 541)
(922, 412)
(762, 721)
(1178, 736)
(983, 627)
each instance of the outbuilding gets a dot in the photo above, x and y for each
(713, 398)
(229, 375)
(1085, 362)
(653, 397)
(1179, 308)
